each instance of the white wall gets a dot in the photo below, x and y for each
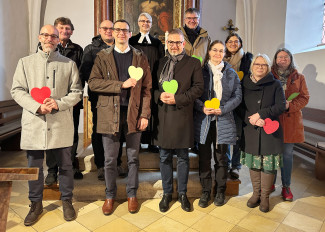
(215, 15)
(14, 42)
(268, 26)
(81, 13)
(311, 64)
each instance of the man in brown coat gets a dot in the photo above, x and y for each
(123, 107)
(175, 132)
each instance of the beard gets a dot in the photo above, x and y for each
(48, 48)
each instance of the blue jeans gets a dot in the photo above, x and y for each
(287, 164)
(166, 169)
(234, 160)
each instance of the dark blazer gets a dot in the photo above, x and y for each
(265, 97)
(174, 125)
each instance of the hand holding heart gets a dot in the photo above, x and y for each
(167, 98)
(213, 103)
(135, 73)
(270, 126)
(41, 94)
(240, 75)
(170, 86)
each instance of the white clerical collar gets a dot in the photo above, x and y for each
(119, 51)
(144, 36)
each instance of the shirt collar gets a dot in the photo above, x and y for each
(119, 51)
(144, 36)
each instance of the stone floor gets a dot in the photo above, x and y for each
(305, 213)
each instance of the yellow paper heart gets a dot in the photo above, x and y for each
(240, 75)
(213, 103)
(135, 73)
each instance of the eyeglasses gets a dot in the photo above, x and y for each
(177, 43)
(261, 65)
(192, 18)
(46, 36)
(216, 50)
(234, 42)
(283, 57)
(107, 28)
(118, 30)
(144, 21)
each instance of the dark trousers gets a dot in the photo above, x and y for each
(51, 161)
(166, 169)
(97, 142)
(220, 158)
(111, 147)
(63, 158)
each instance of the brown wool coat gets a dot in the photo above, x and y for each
(104, 81)
(291, 120)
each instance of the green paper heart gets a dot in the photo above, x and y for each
(213, 103)
(198, 57)
(293, 96)
(170, 86)
(135, 73)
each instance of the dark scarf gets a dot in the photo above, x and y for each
(192, 34)
(283, 77)
(167, 73)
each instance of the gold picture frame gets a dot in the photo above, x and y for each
(130, 10)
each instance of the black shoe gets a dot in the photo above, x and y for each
(234, 173)
(185, 204)
(101, 173)
(51, 178)
(164, 203)
(77, 174)
(153, 148)
(204, 200)
(36, 209)
(69, 213)
(219, 200)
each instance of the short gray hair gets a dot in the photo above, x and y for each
(266, 59)
(148, 16)
(176, 31)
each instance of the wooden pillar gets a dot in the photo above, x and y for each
(103, 10)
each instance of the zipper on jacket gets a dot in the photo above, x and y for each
(53, 79)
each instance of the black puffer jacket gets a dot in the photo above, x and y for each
(87, 63)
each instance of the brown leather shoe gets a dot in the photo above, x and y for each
(108, 206)
(132, 204)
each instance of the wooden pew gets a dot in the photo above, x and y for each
(314, 145)
(7, 175)
(10, 125)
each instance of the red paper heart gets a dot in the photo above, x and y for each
(270, 126)
(40, 95)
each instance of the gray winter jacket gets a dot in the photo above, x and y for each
(60, 74)
(231, 98)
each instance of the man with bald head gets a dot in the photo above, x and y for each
(102, 41)
(47, 124)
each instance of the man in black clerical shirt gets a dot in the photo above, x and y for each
(154, 50)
